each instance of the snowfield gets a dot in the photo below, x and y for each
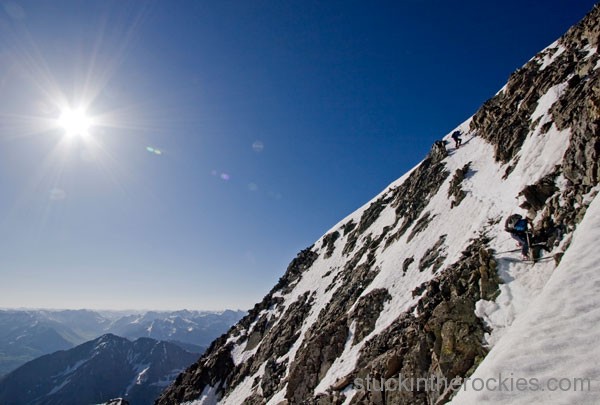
(554, 340)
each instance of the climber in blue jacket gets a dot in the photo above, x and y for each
(518, 227)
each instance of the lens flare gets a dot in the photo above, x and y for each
(153, 150)
(258, 146)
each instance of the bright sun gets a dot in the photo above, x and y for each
(75, 122)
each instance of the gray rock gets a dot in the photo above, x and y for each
(455, 190)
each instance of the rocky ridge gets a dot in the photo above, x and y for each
(393, 289)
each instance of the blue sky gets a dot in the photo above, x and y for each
(226, 136)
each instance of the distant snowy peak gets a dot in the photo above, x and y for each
(191, 327)
(423, 281)
(97, 371)
(116, 401)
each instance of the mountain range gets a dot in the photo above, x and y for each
(97, 371)
(27, 334)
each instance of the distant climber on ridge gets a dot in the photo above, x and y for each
(517, 226)
(457, 139)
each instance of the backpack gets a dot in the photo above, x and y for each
(515, 223)
(521, 225)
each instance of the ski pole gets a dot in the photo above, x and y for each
(529, 247)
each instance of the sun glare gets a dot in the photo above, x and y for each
(75, 122)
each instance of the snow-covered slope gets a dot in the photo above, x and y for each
(554, 340)
(423, 281)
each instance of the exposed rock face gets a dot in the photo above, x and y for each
(314, 359)
(392, 290)
(326, 339)
(421, 225)
(406, 264)
(412, 197)
(434, 256)
(579, 108)
(329, 242)
(537, 194)
(444, 338)
(216, 367)
(276, 341)
(303, 261)
(505, 120)
(367, 311)
(455, 190)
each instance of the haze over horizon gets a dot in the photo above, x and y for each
(219, 139)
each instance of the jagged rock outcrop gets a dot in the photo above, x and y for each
(394, 289)
(505, 120)
(434, 256)
(367, 311)
(329, 242)
(421, 225)
(455, 190)
(536, 194)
